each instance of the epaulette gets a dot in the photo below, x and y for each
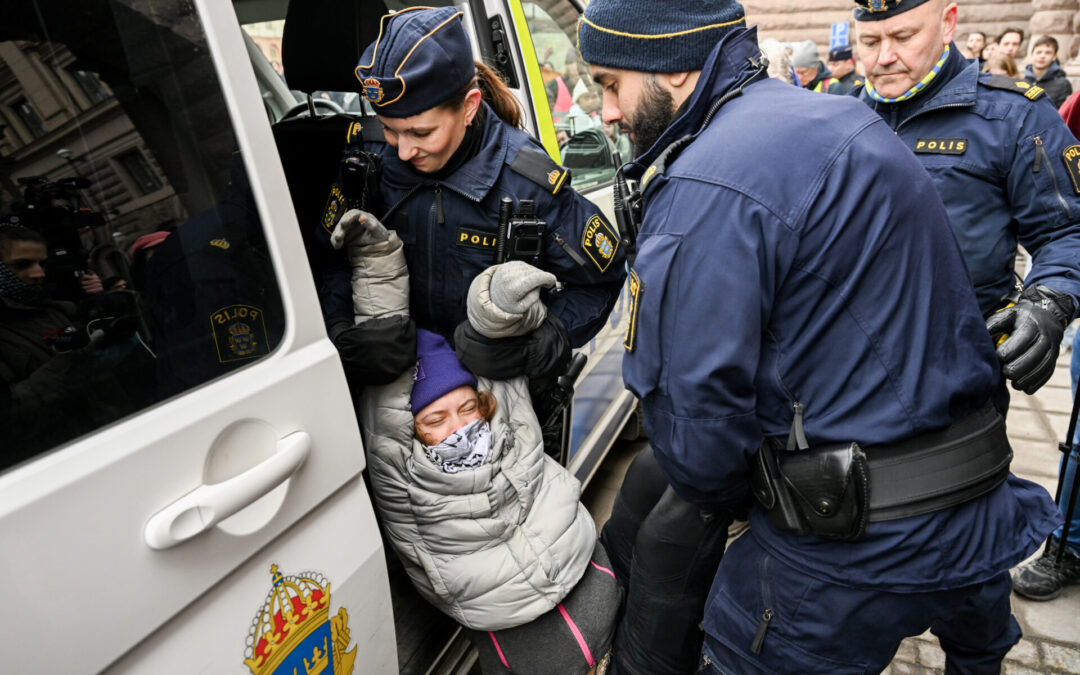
(1028, 90)
(367, 130)
(540, 169)
(669, 155)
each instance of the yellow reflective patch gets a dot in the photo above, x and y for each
(599, 242)
(1034, 92)
(636, 289)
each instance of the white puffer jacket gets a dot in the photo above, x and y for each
(493, 547)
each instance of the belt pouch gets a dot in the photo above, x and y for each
(823, 490)
(771, 490)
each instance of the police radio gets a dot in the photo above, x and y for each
(360, 171)
(627, 210)
(521, 233)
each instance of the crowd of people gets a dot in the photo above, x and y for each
(1000, 55)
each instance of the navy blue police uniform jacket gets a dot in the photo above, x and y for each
(448, 226)
(1008, 170)
(808, 258)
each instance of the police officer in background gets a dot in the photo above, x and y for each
(842, 67)
(829, 312)
(1008, 170)
(1004, 163)
(452, 152)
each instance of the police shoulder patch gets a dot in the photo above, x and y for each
(1004, 83)
(599, 242)
(239, 333)
(1071, 157)
(540, 169)
(335, 204)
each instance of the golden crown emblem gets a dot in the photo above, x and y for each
(294, 634)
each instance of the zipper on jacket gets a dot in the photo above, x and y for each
(574, 255)
(440, 216)
(767, 615)
(436, 208)
(1040, 157)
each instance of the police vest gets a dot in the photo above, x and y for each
(823, 85)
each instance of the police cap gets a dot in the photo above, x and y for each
(840, 53)
(421, 58)
(876, 10)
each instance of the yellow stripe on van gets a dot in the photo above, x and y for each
(536, 83)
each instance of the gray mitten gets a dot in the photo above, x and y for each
(363, 234)
(380, 279)
(504, 300)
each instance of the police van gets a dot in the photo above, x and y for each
(181, 481)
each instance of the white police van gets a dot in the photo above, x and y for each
(185, 494)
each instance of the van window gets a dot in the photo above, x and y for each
(574, 99)
(134, 261)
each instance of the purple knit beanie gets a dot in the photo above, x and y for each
(438, 371)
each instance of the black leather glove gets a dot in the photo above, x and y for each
(1034, 325)
(545, 352)
(376, 351)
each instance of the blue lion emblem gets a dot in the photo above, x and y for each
(879, 5)
(603, 245)
(373, 90)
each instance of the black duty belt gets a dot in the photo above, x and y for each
(834, 490)
(939, 469)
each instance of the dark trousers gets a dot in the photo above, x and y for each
(817, 627)
(665, 552)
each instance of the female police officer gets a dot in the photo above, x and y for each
(453, 152)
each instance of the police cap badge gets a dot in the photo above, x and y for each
(876, 10)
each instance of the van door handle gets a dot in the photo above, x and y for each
(208, 505)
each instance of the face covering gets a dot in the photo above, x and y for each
(466, 448)
(13, 287)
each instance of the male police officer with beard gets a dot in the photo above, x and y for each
(1008, 170)
(834, 311)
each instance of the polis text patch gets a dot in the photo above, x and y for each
(941, 146)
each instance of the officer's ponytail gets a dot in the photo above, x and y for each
(495, 92)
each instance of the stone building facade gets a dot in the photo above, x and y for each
(811, 19)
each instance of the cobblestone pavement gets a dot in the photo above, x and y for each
(1036, 425)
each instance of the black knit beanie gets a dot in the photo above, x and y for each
(655, 36)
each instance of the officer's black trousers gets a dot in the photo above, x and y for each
(665, 552)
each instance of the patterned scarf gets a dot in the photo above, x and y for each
(466, 448)
(919, 86)
(13, 287)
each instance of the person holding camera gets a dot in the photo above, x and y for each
(57, 379)
(453, 151)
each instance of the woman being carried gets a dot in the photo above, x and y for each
(490, 530)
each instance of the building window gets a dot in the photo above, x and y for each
(139, 170)
(91, 86)
(29, 117)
